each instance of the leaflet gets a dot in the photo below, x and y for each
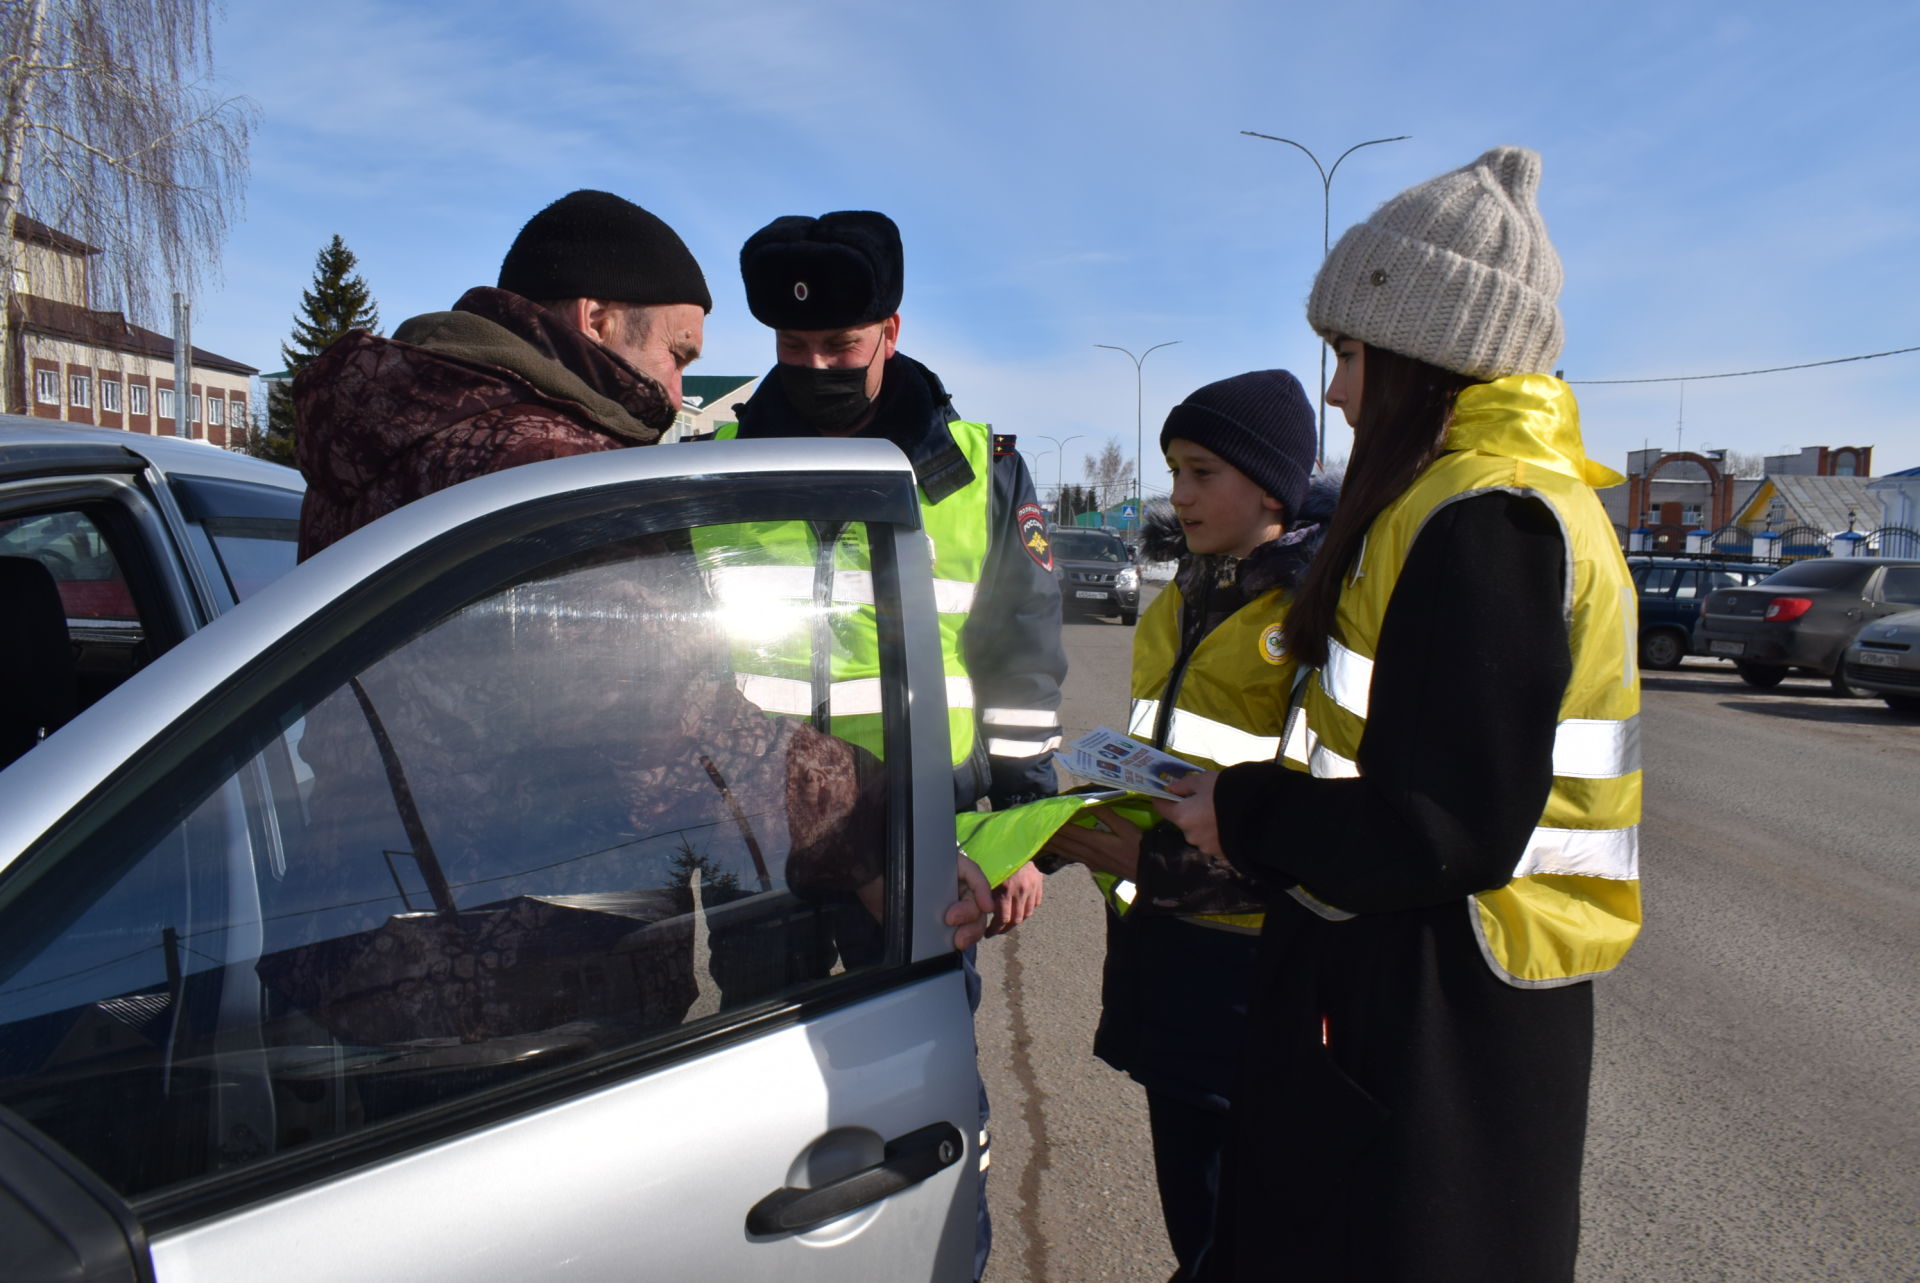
(1105, 756)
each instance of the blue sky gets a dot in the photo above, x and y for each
(1729, 187)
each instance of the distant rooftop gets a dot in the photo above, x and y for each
(110, 330)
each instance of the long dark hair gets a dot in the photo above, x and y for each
(1404, 409)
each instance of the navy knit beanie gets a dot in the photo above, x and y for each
(1260, 422)
(592, 244)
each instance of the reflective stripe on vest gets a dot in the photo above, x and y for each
(784, 589)
(1231, 704)
(1572, 908)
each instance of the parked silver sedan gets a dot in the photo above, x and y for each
(365, 932)
(1884, 660)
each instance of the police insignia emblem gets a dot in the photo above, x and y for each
(1273, 644)
(1033, 535)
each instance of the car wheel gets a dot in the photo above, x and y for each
(1760, 676)
(1130, 617)
(1661, 648)
(1841, 686)
(1907, 704)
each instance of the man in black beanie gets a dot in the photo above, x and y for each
(598, 311)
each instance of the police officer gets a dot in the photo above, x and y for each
(830, 289)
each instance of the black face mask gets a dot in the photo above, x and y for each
(828, 401)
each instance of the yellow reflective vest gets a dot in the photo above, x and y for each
(1572, 909)
(777, 575)
(1227, 704)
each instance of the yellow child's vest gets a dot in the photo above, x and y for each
(1572, 909)
(1231, 705)
(776, 576)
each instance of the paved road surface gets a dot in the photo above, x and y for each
(1756, 1107)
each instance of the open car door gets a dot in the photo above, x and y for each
(446, 911)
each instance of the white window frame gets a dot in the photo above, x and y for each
(193, 407)
(80, 390)
(216, 411)
(163, 403)
(110, 395)
(138, 399)
(46, 387)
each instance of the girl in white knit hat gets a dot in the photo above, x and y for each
(1450, 838)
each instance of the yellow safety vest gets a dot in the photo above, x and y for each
(1572, 909)
(776, 577)
(1231, 705)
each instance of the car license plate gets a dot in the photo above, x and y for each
(1727, 647)
(1879, 657)
(1097, 596)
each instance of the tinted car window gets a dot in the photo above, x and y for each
(1073, 545)
(1659, 579)
(254, 529)
(533, 833)
(1823, 573)
(1901, 583)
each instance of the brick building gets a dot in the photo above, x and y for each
(68, 361)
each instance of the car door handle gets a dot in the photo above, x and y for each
(909, 1160)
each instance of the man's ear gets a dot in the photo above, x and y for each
(596, 318)
(890, 336)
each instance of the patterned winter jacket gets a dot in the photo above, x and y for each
(495, 383)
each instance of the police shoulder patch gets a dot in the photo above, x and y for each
(1273, 644)
(1032, 520)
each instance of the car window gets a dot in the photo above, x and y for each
(1659, 580)
(254, 529)
(1823, 572)
(504, 844)
(1686, 584)
(110, 636)
(1070, 545)
(1901, 583)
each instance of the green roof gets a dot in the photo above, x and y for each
(711, 387)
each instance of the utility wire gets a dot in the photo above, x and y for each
(1741, 374)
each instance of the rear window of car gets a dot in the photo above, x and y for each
(1902, 583)
(1824, 573)
(1075, 546)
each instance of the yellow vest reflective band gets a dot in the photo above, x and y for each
(776, 583)
(1231, 704)
(1572, 909)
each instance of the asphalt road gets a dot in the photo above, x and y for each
(1756, 1112)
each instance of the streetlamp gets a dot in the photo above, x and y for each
(1060, 466)
(1138, 361)
(1326, 202)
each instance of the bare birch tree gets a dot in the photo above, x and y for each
(110, 131)
(1111, 474)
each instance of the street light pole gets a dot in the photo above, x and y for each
(1060, 466)
(1326, 212)
(1138, 361)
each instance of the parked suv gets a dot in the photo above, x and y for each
(1805, 616)
(1671, 590)
(1096, 569)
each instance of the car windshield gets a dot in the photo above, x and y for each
(1823, 573)
(1074, 545)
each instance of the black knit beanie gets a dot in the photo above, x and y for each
(592, 244)
(1260, 422)
(828, 273)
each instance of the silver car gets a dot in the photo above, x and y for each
(1884, 660)
(295, 981)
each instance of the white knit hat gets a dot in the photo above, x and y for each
(1456, 272)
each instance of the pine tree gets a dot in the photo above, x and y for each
(338, 301)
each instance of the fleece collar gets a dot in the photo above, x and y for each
(497, 329)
